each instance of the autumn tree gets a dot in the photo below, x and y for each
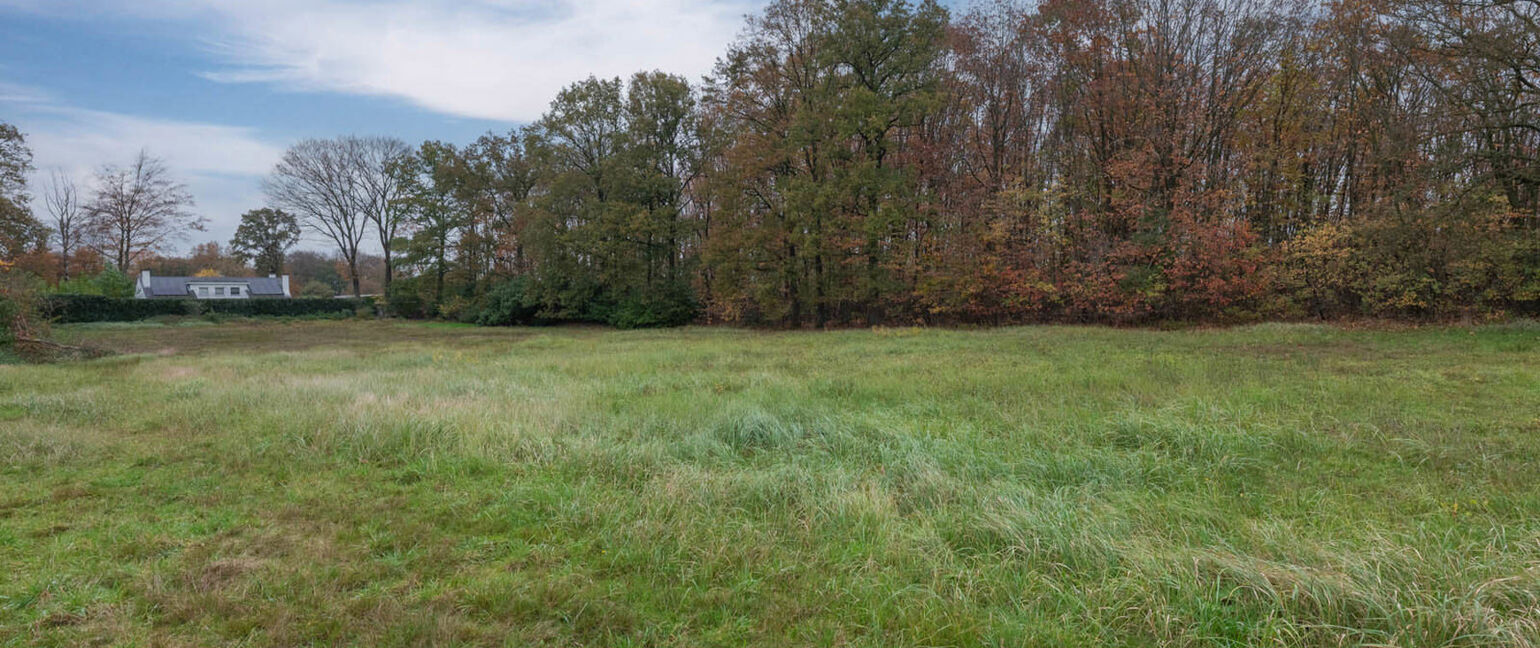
(210, 259)
(306, 267)
(137, 209)
(503, 177)
(818, 95)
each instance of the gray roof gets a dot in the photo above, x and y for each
(177, 286)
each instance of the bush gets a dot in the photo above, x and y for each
(516, 301)
(107, 283)
(317, 290)
(456, 308)
(10, 316)
(670, 305)
(404, 300)
(508, 304)
(96, 308)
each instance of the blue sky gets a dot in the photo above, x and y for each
(220, 87)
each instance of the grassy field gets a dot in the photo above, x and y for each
(380, 484)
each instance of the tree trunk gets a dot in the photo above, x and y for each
(438, 287)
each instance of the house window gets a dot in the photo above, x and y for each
(203, 291)
(219, 291)
(235, 291)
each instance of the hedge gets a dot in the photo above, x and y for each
(95, 308)
(284, 307)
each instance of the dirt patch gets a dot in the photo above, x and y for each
(66, 493)
(177, 373)
(61, 619)
(220, 573)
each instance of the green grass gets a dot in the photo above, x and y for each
(379, 484)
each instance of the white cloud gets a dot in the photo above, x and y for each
(222, 165)
(489, 59)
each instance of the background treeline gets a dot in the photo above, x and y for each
(868, 161)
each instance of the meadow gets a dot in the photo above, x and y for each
(407, 484)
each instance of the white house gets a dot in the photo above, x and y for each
(269, 287)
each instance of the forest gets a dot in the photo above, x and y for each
(863, 162)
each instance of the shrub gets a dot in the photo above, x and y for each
(518, 301)
(456, 308)
(404, 300)
(317, 290)
(107, 283)
(10, 316)
(669, 305)
(508, 304)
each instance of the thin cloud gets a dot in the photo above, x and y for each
(222, 165)
(12, 93)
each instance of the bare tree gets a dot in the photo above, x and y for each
(318, 180)
(62, 199)
(381, 189)
(138, 208)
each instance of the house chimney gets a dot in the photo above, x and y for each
(286, 286)
(144, 278)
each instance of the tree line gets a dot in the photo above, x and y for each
(868, 161)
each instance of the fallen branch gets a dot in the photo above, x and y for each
(36, 348)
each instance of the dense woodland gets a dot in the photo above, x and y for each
(854, 162)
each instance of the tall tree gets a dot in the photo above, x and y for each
(663, 145)
(62, 199)
(580, 247)
(318, 180)
(20, 232)
(434, 179)
(15, 163)
(264, 237)
(209, 259)
(819, 93)
(1482, 58)
(139, 208)
(503, 177)
(768, 257)
(380, 190)
(306, 267)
